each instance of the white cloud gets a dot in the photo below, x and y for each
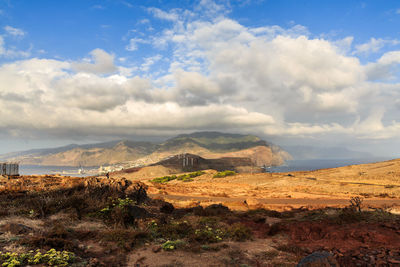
(160, 14)
(11, 52)
(14, 31)
(49, 97)
(133, 43)
(385, 67)
(149, 61)
(100, 62)
(221, 75)
(374, 45)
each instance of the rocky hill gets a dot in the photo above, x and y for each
(205, 144)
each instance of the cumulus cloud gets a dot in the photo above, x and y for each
(221, 75)
(100, 62)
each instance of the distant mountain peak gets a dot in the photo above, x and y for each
(206, 143)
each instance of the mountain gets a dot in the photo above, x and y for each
(204, 144)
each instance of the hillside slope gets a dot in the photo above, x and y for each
(204, 144)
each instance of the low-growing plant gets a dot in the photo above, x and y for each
(122, 212)
(171, 231)
(224, 174)
(292, 249)
(240, 232)
(125, 238)
(208, 234)
(51, 258)
(208, 221)
(348, 215)
(172, 245)
(164, 179)
(188, 177)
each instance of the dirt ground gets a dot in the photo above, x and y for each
(378, 183)
(288, 216)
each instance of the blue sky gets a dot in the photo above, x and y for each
(70, 29)
(310, 72)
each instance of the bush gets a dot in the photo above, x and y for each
(208, 234)
(239, 232)
(51, 258)
(139, 194)
(184, 177)
(172, 245)
(170, 231)
(164, 179)
(188, 177)
(122, 212)
(224, 174)
(125, 238)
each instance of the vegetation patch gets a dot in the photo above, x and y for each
(208, 234)
(240, 232)
(50, 258)
(125, 238)
(224, 174)
(172, 230)
(172, 245)
(188, 177)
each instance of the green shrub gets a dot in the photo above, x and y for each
(208, 234)
(224, 174)
(122, 212)
(188, 177)
(50, 258)
(172, 245)
(164, 179)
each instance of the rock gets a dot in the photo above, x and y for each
(319, 259)
(16, 228)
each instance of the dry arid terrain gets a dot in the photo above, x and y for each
(378, 183)
(343, 217)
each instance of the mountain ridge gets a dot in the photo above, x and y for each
(205, 144)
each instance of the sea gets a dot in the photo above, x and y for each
(290, 166)
(63, 170)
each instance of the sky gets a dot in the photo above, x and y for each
(295, 72)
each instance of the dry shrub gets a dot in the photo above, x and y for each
(125, 239)
(240, 232)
